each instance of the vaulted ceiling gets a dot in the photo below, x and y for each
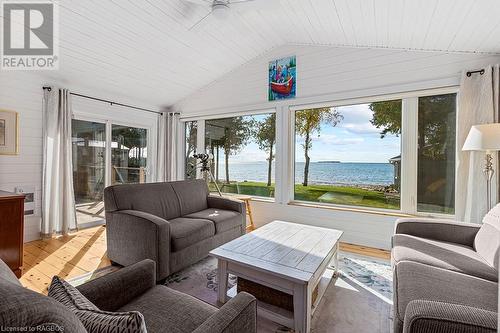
(146, 49)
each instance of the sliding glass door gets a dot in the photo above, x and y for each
(105, 153)
(89, 162)
(129, 154)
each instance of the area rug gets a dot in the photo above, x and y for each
(359, 301)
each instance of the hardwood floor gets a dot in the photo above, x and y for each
(85, 251)
(66, 256)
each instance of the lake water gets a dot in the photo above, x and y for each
(319, 173)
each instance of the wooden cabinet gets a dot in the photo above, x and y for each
(12, 230)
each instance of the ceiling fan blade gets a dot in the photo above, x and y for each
(243, 5)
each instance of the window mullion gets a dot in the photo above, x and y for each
(282, 156)
(409, 141)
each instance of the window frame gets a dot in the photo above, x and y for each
(285, 148)
(200, 142)
(409, 150)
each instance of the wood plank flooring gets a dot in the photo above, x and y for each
(85, 251)
(66, 256)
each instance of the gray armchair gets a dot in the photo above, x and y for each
(445, 275)
(174, 224)
(134, 288)
(130, 288)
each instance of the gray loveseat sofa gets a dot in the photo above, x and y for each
(175, 224)
(446, 275)
(132, 288)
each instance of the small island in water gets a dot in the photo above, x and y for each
(328, 161)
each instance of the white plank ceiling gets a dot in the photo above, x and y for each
(145, 49)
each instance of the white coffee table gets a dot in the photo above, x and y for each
(293, 258)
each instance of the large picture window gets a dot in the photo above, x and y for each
(349, 155)
(436, 154)
(243, 150)
(396, 154)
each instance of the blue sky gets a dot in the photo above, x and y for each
(355, 139)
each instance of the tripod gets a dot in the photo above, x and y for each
(208, 174)
(205, 169)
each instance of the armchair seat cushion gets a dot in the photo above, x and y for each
(224, 220)
(450, 256)
(167, 310)
(188, 231)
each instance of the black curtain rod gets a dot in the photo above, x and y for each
(480, 71)
(110, 102)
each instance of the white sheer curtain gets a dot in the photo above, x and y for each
(58, 206)
(478, 104)
(168, 132)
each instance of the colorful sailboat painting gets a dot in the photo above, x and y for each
(282, 78)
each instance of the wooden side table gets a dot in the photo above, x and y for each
(12, 230)
(246, 199)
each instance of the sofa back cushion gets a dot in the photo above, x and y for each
(487, 241)
(192, 195)
(158, 199)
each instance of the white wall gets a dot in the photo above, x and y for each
(22, 92)
(326, 74)
(333, 73)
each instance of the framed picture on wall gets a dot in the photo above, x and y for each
(9, 132)
(282, 78)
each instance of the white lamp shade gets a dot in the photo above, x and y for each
(483, 138)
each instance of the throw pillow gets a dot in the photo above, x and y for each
(95, 320)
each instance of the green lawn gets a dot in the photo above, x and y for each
(342, 195)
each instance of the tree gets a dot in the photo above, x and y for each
(307, 123)
(191, 131)
(433, 127)
(191, 135)
(387, 116)
(231, 134)
(265, 136)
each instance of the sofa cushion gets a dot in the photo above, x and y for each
(487, 241)
(192, 195)
(187, 231)
(454, 257)
(154, 198)
(20, 307)
(224, 219)
(95, 320)
(167, 310)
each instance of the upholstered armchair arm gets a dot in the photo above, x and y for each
(443, 230)
(226, 204)
(134, 235)
(430, 316)
(237, 315)
(114, 290)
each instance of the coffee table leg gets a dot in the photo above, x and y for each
(302, 308)
(222, 277)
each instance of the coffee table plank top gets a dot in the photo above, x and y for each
(290, 250)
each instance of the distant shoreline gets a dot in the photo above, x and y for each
(372, 187)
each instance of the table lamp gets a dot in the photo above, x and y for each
(485, 137)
